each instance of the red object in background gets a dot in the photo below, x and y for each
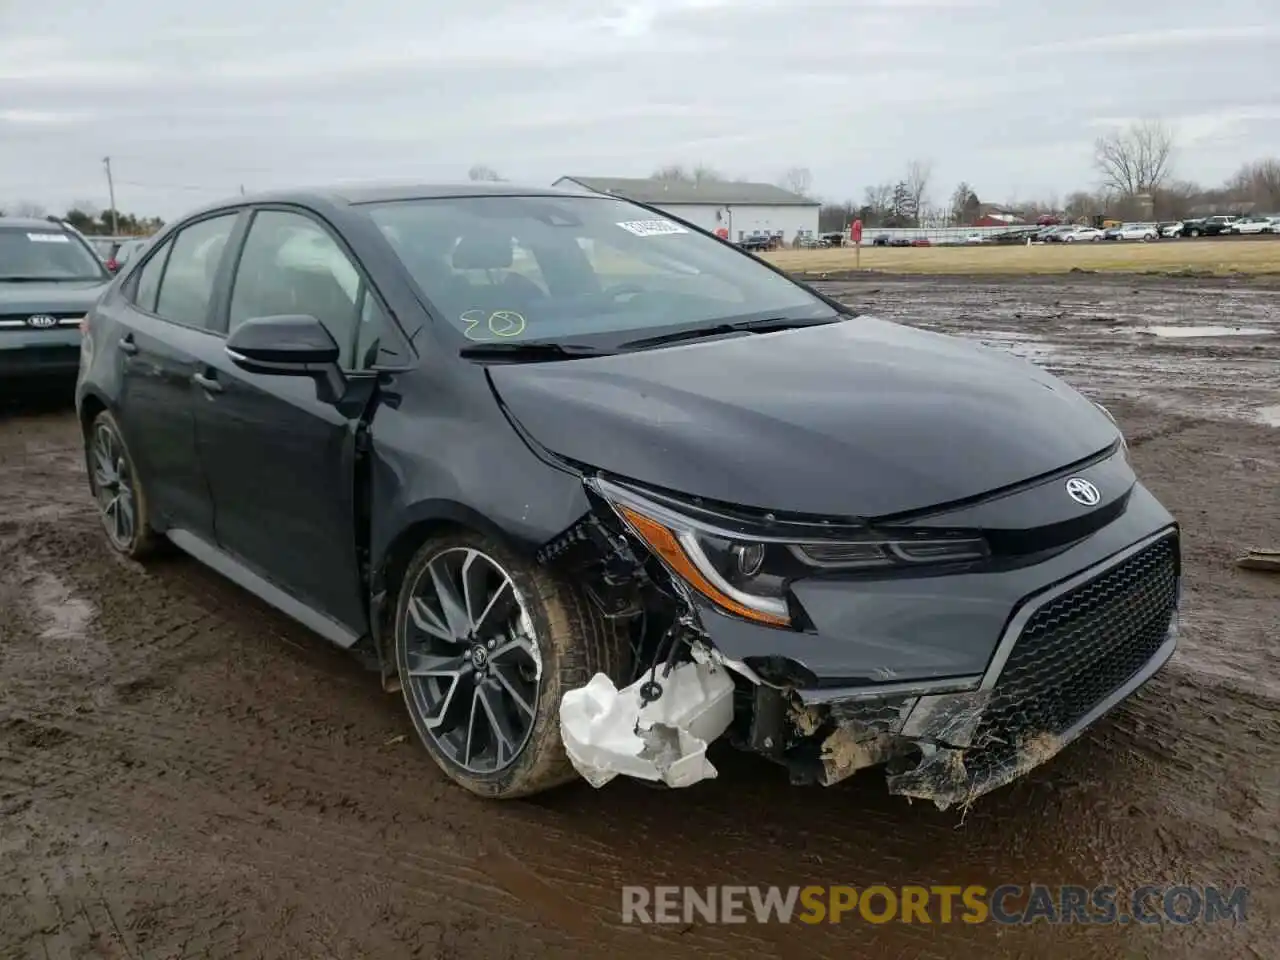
(722, 233)
(855, 232)
(112, 265)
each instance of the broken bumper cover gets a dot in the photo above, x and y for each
(607, 731)
(1066, 658)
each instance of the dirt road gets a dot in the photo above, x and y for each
(186, 773)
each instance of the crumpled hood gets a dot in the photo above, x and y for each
(29, 298)
(864, 418)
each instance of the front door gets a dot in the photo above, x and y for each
(281, 463)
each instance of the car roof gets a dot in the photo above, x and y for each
(30, 223)
(355, 194)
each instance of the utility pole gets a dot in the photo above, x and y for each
(111, 192)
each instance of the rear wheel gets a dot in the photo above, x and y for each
(117, 491)
(486, 645)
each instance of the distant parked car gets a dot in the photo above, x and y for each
(1135, 231)
(921, 242)
(1208, 226)
(1171, 228)
(1250, 225)
(756, 243)
(1056, 234)
(880, 240)
(976, 238)
(1076, 234)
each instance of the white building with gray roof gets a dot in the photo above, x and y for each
(741, 210)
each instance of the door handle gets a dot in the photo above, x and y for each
(209, 384)
(127, 345)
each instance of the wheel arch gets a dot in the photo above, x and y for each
(90, 405)
(417, 523)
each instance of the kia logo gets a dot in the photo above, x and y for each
(42, 320)
(1082, 491)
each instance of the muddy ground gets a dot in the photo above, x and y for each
(186, 773)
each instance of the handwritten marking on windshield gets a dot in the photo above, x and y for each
(499, 323)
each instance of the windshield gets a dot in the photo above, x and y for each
(35, 254)
(552, 268)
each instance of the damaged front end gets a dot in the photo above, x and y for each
(723, 647)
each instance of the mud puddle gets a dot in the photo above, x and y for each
(1200, 333)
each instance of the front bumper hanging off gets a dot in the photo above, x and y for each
(1066, 657)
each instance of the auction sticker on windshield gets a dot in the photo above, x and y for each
(47, 238)
(651, 228)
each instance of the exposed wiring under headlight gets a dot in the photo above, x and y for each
(746, 572)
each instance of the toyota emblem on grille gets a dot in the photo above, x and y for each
(42, 320)
(1082, 491)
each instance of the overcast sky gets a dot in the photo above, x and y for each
(192, 100)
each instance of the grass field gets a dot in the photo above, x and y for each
(1222, 257)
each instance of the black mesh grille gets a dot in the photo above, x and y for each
(1075, 651)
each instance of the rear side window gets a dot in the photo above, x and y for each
(186, 288)
(149, 279)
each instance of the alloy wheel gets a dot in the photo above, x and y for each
(113, 487)
(470, 660)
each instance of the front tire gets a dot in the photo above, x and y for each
(486, 645)
(117, 490)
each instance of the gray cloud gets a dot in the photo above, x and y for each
(193, 102)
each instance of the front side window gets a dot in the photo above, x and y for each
(554, 268)
(186, 289)
(47, 254)
(290, 265)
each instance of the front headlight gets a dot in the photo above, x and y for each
(746, 572)
(1124, 444)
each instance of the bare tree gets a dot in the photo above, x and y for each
(482, 171)
(678, 173)
(1081, 204)
(918, 174)
(965, 206)
(798, 180)
(674, 172)
(879, 200)
(1258, 183)
(1135, 160)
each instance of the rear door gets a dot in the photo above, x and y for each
(281, 463)
(161, 328)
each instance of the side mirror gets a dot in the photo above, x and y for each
(290, 346)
